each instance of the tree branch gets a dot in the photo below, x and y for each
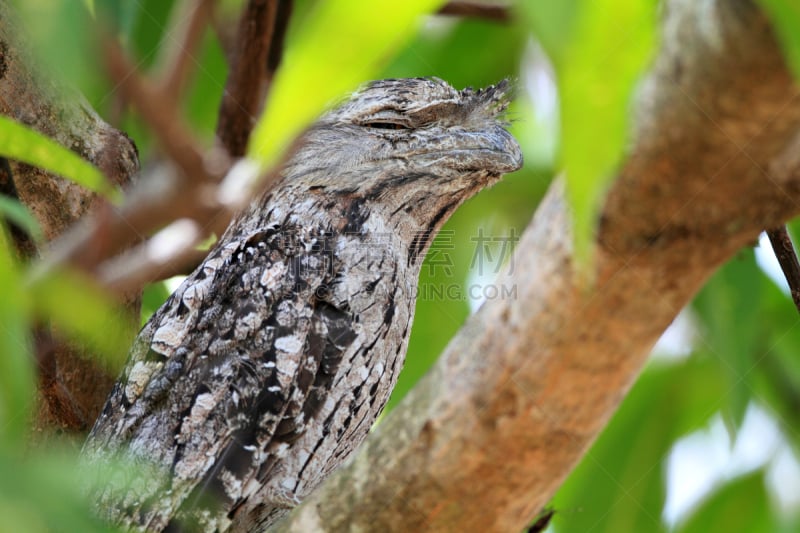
(159, 112)
(175, 194)
(787, 257)
(527, 384)
(58, 112)
(282, 17)
(243, 90)
(192, 192)
(189, 22)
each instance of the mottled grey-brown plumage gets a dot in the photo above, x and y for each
(269, 364)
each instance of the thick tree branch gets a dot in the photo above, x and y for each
(73, 388)
(486, 438)
(63, 115)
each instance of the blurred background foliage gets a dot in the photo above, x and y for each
(708, 437)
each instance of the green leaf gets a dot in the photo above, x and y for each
(23, 144)
(553, 23)
(90, 7)
(119, 17)
(731, 313)
(83, 312)
(599, 49)
(486, 53)
(13, 211)
(207, 86)
(61, 35)
(620, 485)
(341, 44)
(741, 505)
(785, 17)
(45, 493)
(153, 297)
(16, 369)
(141, 26)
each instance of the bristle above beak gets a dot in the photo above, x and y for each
(493, 100)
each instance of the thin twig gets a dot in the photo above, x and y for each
(194, 193)
(787, 257)
(91, 245)
(282, 17)
(497, 13)
(243, 90)
(151, 260)
(225, 29)
(176, 63)
(110, 230)
(166, 124)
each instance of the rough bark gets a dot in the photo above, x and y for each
(486, 438)
(73, 387)
(62, 114)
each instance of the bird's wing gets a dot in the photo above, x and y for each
(224, 376)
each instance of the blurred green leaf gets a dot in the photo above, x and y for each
(340, 44)
(553, 23)
(774, 368)
(21, 143)
(208, 86)
(13, 211)
(741, 505)
(16, 362)
(44, 493)
(147, 22)
(753, 330)
(599, 49)
(441, 306)
(60, 35)
(453, 271)
(785, 17)
(619, 485)
(487, 52)
(734, 296)
(80, 310)
(120, 16)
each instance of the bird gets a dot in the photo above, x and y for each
(268, 365)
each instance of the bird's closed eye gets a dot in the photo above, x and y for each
(386, 125)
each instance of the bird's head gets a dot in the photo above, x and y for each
(398, 131)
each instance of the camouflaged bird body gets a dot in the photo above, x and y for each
(268, 366)
(264, 348)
